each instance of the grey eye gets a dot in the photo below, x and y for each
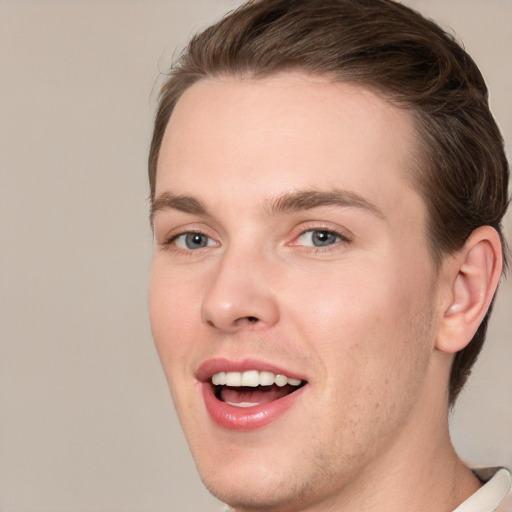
(318, 238)
(323, 238)
(193, 241)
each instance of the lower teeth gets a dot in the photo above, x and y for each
(242, 404)
(250, 397)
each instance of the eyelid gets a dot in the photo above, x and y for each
(344, 234)
(179, 243)
(168, 238)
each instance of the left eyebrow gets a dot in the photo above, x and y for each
(309, 199)
(169, 201)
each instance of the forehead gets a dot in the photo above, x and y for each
(286, 132)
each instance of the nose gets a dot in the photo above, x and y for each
(240, 294)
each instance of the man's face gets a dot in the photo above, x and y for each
(289, 241)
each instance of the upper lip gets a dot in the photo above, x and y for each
(216, 365)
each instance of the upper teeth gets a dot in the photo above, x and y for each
(252, 378)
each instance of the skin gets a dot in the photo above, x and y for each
(360, 318)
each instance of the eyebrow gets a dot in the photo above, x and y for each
(286, 203)
(309, 199)
(169, 201)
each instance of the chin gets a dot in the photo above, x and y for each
(270, 480)
(247, 491)
(246, 478)
(245, 496)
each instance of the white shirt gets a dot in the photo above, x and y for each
(493, 496)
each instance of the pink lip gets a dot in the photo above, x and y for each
(243, 418)
(248, 418)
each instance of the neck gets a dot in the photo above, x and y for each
(430, 477)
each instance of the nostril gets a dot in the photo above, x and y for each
(250, 319)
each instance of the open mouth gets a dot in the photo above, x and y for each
(252, 388)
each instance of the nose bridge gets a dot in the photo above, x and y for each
(240, 292)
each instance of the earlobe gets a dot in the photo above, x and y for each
(472, 280)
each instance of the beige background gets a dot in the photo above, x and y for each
(86, 419)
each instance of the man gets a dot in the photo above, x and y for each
(327, 190)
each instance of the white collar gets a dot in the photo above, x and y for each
(488, 497)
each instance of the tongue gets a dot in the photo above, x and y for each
(246, 396)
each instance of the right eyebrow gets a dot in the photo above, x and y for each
(310, 199)
(169, 201)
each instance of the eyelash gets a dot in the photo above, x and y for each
(170, 243)
(342, 238)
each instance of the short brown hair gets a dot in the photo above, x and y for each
(412, 62)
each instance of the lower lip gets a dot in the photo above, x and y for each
(246, 418)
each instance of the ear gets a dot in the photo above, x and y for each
(470, 280)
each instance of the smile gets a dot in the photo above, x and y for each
(248, 399)
(252, 388)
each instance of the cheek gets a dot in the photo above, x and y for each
(173, 310)
(361, 323)
(337, 303)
